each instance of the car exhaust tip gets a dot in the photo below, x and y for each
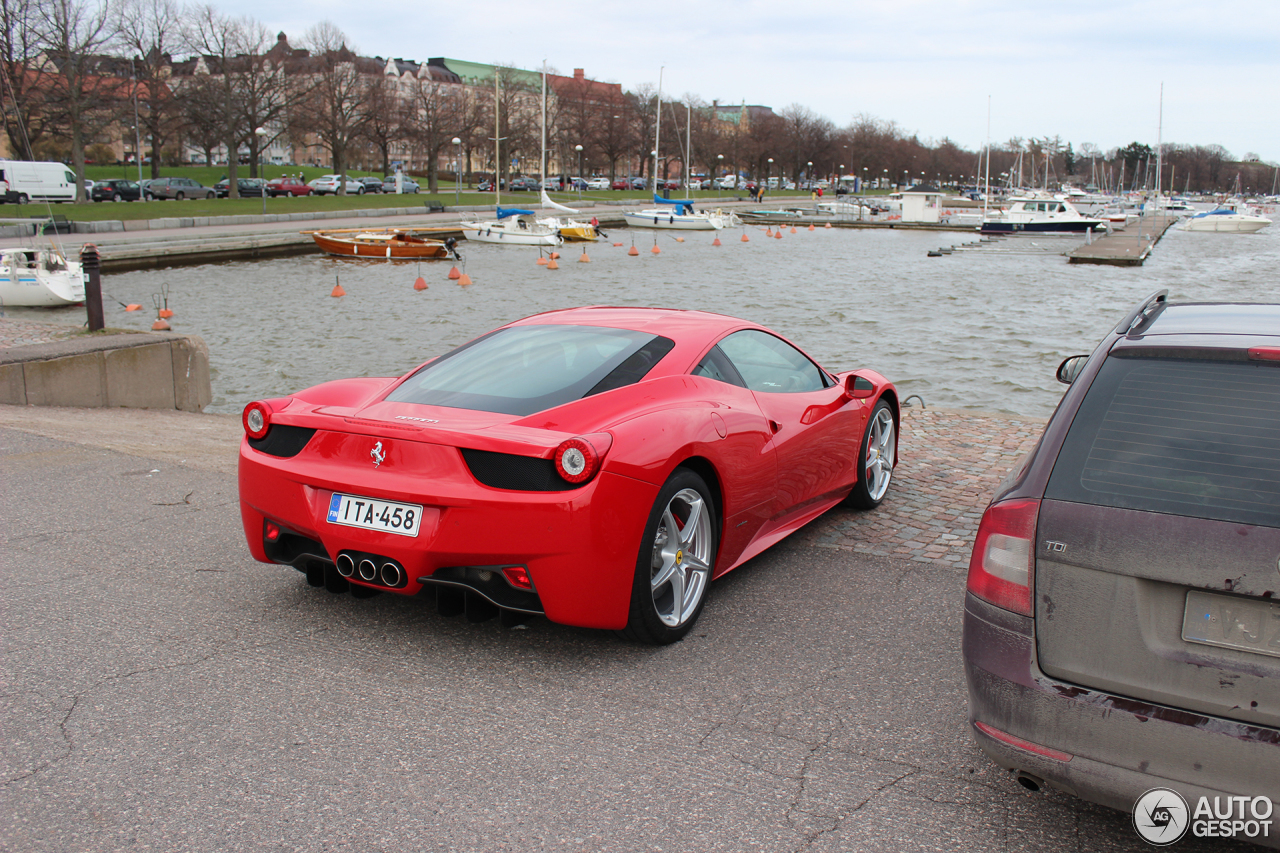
(1034, 784)
(390, 574)
(346, 565)
(368, 571)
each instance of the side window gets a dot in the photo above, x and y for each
(770, 364)
(717, 366)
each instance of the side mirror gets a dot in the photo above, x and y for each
(858, 387)
(1070, 368)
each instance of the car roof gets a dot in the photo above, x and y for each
(1216, 318)
(669, 322)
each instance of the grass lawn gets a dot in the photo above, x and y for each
(209, 175)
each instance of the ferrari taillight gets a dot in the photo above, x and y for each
(578, 459)
(1004, 555)
(257, 419)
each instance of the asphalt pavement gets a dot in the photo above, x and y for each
(162, 691)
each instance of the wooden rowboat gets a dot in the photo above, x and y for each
(363, 243)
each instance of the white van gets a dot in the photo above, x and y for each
(22, 181)
(728, 182)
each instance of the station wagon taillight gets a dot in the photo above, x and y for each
(1004, 555)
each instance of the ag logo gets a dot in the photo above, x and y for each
(1161, 816)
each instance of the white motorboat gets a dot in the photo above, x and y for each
(1036, 215)
(39, 278)
(679, 215)
(513, 226)
(1227, 219)
(1119, 216)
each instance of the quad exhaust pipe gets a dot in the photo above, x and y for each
(390, 574)
(346, 565)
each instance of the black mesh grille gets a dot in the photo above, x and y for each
(282, 440)
(517, 473)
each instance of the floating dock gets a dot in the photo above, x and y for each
(1127, 248)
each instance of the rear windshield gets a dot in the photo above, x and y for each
(1176, 435)
(526, 369)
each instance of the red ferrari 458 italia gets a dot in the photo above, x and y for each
(600, 466)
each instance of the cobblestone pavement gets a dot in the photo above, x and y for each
(21, 333)
(951, 462)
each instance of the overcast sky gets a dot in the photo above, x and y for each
(1088, 71)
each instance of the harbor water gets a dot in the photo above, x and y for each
(981, 328)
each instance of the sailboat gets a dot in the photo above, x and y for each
(675, 214)
(510, 225)
(39, 278)
(570, 230)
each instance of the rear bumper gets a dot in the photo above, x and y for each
(1118, 748)
(579, 546)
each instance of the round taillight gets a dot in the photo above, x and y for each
(257, 420)
(577, 460)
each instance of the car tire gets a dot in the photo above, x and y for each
(208, 195)
(359, 190)
(116, 197)
(23, 198)
(876, 459)
(674, 567)
(178, 196)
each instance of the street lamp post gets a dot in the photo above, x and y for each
(578, 181)
(719, 169)
(261, 133)
(768, 177)
(457, 178)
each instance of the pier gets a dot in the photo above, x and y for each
(1127, 248)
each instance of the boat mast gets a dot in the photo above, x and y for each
(497, 145)
(544, 122)
(657, 132)
(688, 146)
(986, 195)
(1160, 144)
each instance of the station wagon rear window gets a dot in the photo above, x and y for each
(1183, 436)
(526, 369)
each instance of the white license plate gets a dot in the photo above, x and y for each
(373, 514)
(1250, 625)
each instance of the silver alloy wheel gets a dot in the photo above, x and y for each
(681, 565)
(880, 453)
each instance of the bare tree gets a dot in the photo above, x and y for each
(218, 39)
(384, 123)
(335, 97)
(265, 96)
(438, 111)
(22, 94)
(76, 32)
(150, 29)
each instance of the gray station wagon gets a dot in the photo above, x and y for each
(178, 188)
(1122, 617)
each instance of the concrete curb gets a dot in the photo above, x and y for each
(130, 370)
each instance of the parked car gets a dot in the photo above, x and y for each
(486, 185)
(287, 185)
(523, 184)
(596, 421)
(407, 184)
(551, 184)
(598, 184)
(372, 185)
(727, 182)
(1121, 626)
(621, 184)
(638, 183)
(247, 187)
(328, 185)
(115, 189)
(178, 188)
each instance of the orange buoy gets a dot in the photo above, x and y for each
(552, 265)
(715, 242)
(464, 280)
(584, 259)
(616, 245)
(454, 275)
(165, 313)
(160, 325)
(133, 306)
(768, 232)
(420, 283)
(777, 235)
(828, 225)
(655, 250)
(555, 256)
(542, 262)
(793, 229)
(679, 239)
(810, 226)
(633, 251)
(745, 238)
(337, 291)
